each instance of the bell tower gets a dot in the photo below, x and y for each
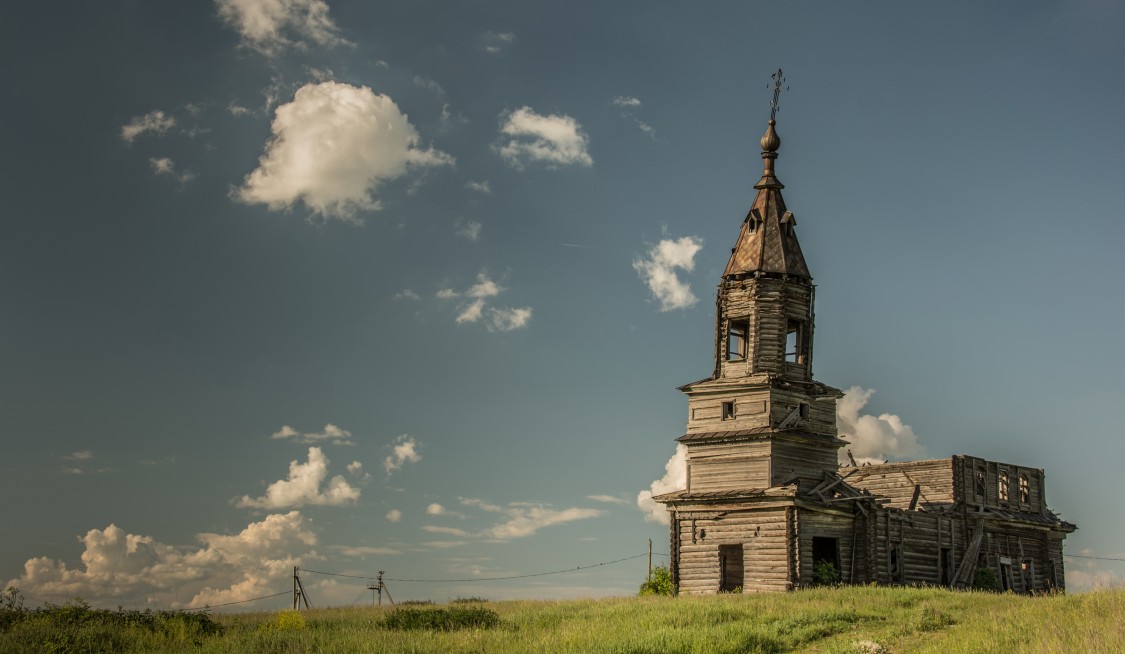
(761, 420)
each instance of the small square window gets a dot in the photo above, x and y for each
(728, 410)
(803, 410)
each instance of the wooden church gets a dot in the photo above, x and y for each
(767, 506)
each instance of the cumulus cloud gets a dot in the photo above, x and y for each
(553, 140)
(494, 43)
(271, 26)
(331, 433)
(479, 187)
(873, 439)
(119, 568)
(303, 486)
(674, 479)
(394, 515)
(658, 270)
(469, 229)
(435, 509)
(527, 518)
(155, 122)
(403, 450)
(475, 305)
(332, 147)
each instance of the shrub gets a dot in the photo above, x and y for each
(986, 579)
(825, 573)
(659, 582)
(442, 619)
(285, 621)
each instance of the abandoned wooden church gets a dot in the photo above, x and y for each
(767, 506)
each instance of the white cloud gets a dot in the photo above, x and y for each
(674, 479)
(443, 544)
(467, 229)
(330, 433)
(449, 531)
(526, 518)
(271, 26)
(332, 147)
(355, 467)
(155, 122)
(435, 509)
(84, 455)
(407, 294)
(626, 101)
(554, 140)
(494, 43)
(873, 439)
(394, 515)
(1090, 574)
(237, 110)
(364, 550)
(500, 319)
(304, 487)
(658, 270)
(119, 568)
(165, 166)
(608, 499)
(403, 450)
(479, 187)
(505, 320)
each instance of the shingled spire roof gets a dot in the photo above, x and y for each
(768, 242)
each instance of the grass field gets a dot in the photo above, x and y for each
(837, 620)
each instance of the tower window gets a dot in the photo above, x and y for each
(1002, 485)
(738, 340)
(803, 410)
(793, 334)
(1025, 490)
(728, 410)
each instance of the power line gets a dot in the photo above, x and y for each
(1096, 558)
(537, 574)
(254, 599)
(338, 574)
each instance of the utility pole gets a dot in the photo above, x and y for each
(299, 596)
(379, 587)
(649, 577)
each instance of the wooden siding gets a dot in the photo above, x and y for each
(762, 534)
(767, 304)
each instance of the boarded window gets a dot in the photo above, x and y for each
(730, 567)
(1002, 486)
(728, 410)
(738, 340)
(896, 567)
(1025, 490)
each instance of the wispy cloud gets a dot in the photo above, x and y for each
(526, 518)
(469, 229)
(658, 270)
(364, 550)
(272, 26)
(475, 305)
(154, 122)
(373, 143)
(303, 486)
(552, 140)
(628, 106)
(496, 42)
(479, 187)
(331, 433)
(165, 166)
(608, 499)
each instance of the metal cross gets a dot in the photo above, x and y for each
(778, 81)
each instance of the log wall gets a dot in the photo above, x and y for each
(761, 533)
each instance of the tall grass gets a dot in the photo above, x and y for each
(829, 620)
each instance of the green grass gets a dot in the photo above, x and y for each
(827, 620)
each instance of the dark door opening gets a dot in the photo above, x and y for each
(730, 567)
(945, 561)
(826, 560)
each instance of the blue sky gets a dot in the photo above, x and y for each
(354, 286)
